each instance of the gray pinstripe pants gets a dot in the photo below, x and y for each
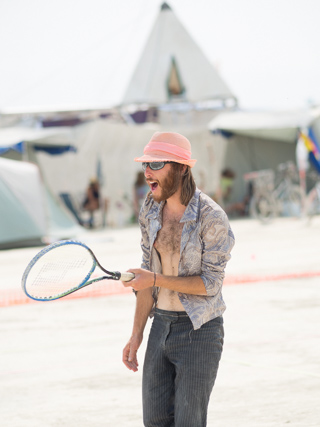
(179, 370)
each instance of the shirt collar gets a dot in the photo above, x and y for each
(192, 210)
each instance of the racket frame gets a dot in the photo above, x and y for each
(113, 275)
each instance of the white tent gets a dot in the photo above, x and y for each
(10, 136)
(112, 147)
(173, 77)
(275, 125)
(22, 207)
(29, 212)
(104, 150)
(260, 140)
(18, 143)
(107, 149)
(173, 64)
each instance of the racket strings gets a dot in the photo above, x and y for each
(59, 270)
(51, 272)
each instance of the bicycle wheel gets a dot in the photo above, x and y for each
(263, 207)
(292, 201)
(313, 201)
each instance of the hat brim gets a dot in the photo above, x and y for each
(165, 158)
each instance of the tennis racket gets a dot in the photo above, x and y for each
(62, 268)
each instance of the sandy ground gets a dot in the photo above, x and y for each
(60, 362)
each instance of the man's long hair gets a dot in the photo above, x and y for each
(188, 186)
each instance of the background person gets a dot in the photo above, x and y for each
(224, 193)
(140, 190)
(92, 200)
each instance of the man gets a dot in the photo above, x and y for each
(186, 243)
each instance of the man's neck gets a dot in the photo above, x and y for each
(174, 206)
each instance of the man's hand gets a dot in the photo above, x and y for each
(143, 279)
(144, 303)
(129, 355)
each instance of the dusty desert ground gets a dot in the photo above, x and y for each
(60, 362)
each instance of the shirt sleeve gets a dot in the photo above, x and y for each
(145, 244)
(217, 243)
(145, 263)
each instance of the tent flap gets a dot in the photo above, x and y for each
(55, 150)
(280, 126)
(19, 147)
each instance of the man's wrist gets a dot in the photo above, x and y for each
(137, 334)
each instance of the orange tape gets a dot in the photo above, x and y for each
(10, 297)
(234, 280)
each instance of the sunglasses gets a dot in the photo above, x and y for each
(155, 166)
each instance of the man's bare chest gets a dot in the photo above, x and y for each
(169, 237)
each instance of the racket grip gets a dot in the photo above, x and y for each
(126, 277)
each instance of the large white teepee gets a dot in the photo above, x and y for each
(173, 66)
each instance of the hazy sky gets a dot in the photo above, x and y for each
(71, 53)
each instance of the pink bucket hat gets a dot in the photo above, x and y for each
(167, 147)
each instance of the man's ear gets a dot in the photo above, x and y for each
(184, 170)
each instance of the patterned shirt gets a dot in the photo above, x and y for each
(206, 243)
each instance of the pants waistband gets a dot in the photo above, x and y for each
(173, 314)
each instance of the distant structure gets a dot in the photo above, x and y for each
(173, 84)
(174, 76)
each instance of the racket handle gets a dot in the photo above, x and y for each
(126, 277)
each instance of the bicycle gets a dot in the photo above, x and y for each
(269, 200)
(312, 203)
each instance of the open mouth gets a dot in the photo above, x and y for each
(153, 185)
